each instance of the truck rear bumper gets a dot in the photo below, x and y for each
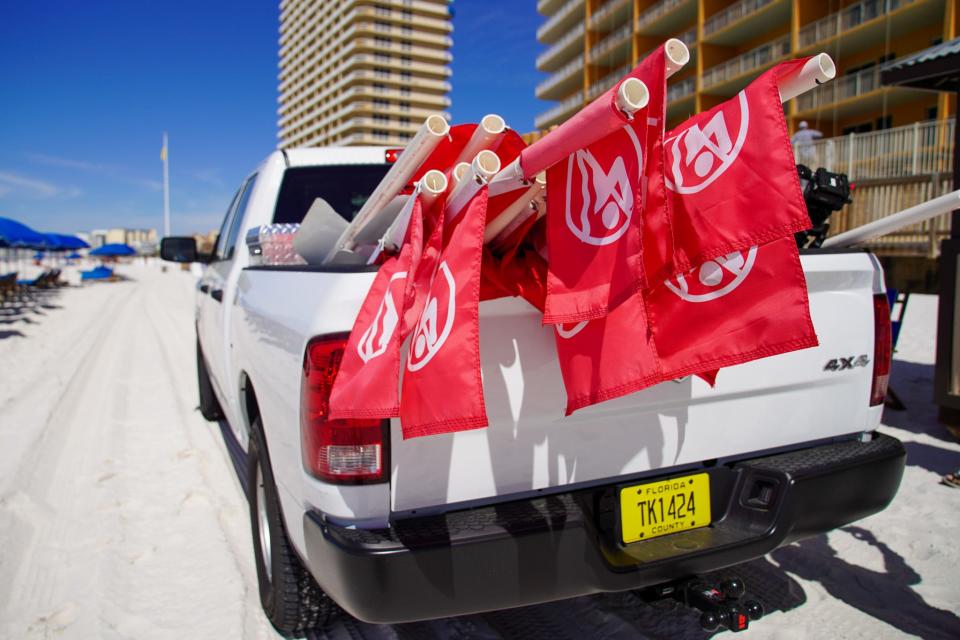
(562, 546)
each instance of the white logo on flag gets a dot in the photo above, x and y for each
(715, 278)
(696, 157)
(373, 342)
(566, 334)
(427, 340)
(613, 203)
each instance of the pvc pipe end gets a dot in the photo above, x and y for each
(827, 69)
(493, 124)
(437, 125)
(486, 163)
(433, 182)
(632, 95)
(460, 170)
(677, 53)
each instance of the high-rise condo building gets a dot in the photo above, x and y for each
(589, 44)
(361, 72)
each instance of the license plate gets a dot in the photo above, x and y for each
(668, 506)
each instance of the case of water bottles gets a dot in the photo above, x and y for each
(272, 244)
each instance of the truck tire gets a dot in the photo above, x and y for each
(290, 597)
(209, 405)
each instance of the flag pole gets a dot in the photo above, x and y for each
(166, 187)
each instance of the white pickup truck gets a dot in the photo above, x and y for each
(352, 517)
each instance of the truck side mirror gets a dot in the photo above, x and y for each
(181, 249)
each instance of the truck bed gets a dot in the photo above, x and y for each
(530, 448)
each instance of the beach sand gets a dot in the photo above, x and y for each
(121, 516)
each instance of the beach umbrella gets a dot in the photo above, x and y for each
(116, 249)
(74, 256)
(17, 234)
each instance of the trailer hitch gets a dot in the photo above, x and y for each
(721, 605)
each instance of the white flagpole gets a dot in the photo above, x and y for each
(166, 188)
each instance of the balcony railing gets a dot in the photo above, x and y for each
(574, 34)
(604, 12)
(854, 15)
(563, 74)
(562, 14)
(894, 169)
(731, 14)
(921, 148)
(843, 88)
(681, 90)
(753, 59)
(657, 10)
(607, 81)
(614, 39)
(548, 117)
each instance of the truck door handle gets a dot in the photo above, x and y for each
(217, 294)
(204, 288)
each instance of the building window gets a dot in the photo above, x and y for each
(406, 29)
(380, 133)
(405, 106)
(381, 119)
(404, 91)
(405, 122)
(381, 104)
(406, 15)
(380, 72)
(379, 88)
(382, 57)
(381, 26)
(406, 76)
(381, 42)
(383, 11)
(406, 45)
(406, 61)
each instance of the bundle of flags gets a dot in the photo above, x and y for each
(662, 254)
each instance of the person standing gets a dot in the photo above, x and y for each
(802, 142)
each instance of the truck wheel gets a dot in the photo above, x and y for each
(290, 597)
(209, 405)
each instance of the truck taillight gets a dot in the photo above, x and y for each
(882, 349)
(337, 451)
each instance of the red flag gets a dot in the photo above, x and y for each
(739, 307)
(607, 358)
(442, 388)
(731, 176)
(596, 199)
(368, 381)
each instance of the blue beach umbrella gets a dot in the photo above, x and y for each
(116, 249)
(17, 234)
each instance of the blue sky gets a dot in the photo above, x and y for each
(87, 88)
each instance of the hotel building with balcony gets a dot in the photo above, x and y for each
(361, 72)
(590, 44)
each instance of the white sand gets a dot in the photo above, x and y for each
(120, 515)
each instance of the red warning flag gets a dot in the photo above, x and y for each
(596, 198)
(731, 178)
(368, 382)
(733, 309)
(442, 389)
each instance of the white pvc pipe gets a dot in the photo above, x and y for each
(677, 55)
(484, 166)
(459, 172)
(487, 135)
(913, 215)
(510, 178)
(513, 212)
(431, 185)
(632, 95)
(816, 71)
(433, 130)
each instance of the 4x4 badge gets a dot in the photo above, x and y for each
(842, 364)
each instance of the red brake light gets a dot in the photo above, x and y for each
(391, 155)
(338, 451)
(882, 349)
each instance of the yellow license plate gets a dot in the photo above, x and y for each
(668, 506)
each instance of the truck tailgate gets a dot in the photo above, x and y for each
(530, 446)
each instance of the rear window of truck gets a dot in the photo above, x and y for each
(344, 187)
